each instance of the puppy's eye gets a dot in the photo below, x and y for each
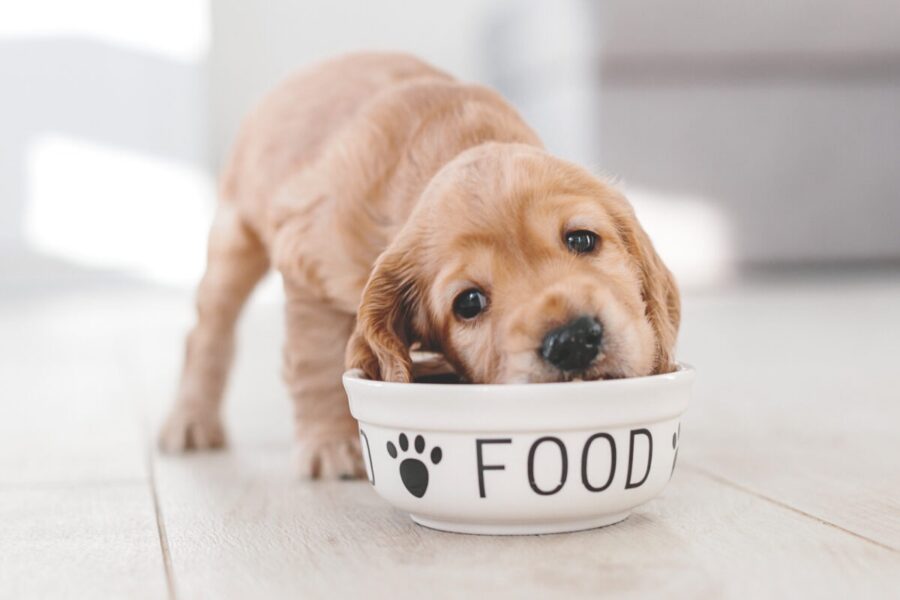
(469, 304)
(581, 241)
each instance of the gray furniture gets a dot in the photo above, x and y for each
(785, 116)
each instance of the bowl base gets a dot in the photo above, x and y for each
(520, 528)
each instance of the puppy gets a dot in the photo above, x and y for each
(407, 210)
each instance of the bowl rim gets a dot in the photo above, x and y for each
(682, 372)
(520, 407)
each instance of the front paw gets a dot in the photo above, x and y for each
(191, 429)
(329, 458)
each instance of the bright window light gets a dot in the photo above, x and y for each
(104, 207)
(690, 233)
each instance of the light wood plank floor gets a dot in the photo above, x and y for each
(788, 482)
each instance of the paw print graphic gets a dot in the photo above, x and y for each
(413, 471)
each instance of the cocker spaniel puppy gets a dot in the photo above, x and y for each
(405, 209)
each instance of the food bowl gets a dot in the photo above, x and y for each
(521, 458)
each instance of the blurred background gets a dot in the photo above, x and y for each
(758, 141)
(749, 135)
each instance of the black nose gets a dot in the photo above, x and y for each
(573, 346)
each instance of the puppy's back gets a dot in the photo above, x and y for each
(289, 128)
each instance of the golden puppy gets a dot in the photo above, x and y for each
(406, 209)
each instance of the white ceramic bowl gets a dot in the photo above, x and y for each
(520, 459)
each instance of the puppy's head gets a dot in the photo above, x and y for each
(519, 267)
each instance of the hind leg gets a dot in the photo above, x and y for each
(327, 436)
(235, 264)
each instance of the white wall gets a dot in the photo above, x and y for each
(254, 45)
(104, 153)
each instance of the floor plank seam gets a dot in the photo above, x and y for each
(161, 528)
(728, 482)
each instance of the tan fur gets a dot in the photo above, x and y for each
(380, 188)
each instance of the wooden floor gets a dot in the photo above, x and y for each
(788, 484)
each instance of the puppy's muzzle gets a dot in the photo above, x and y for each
(573, 346)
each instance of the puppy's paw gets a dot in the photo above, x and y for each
(329, 458)
(191, 429)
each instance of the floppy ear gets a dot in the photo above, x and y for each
(384, 323)
(658, 287)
